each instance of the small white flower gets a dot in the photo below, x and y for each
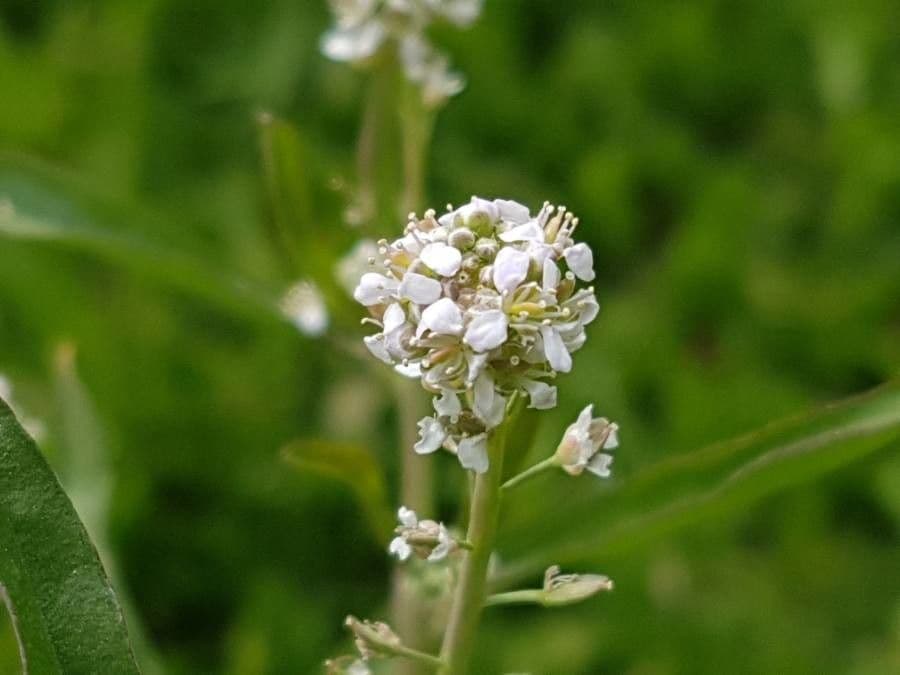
(431, 435)
(582, 443)
(400, 548)
(426, 538)
(420, 289)
(444, 547)
(442, 317)
(354, 44)
(510, 269)
(581, 261)
(472, 453)
(487, 330)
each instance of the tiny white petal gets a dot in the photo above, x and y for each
(411, 370)
(353, 44)
(478, 205)
(419, 288)
(600, 465)
(400, 548)
(541, 394)
(530, 231)
(442, 317)
(512, 211)
(448, 405)
(443, 259)
(376, 345)
(440, 551)
(589, 309)
(431, 435)
(489, 406)
(472, 453)
(581, 261)
(551, 275)
(583, 423)
(555, 350)
(374, 288)
(612, 440)
(510, 268)
(407, 517)
(487, 330)
(394, 317)
(476, 362)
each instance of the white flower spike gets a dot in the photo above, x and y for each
(480, 303)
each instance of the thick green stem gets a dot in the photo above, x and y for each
(470, 592)
(526, 597)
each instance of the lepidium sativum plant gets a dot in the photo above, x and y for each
(483, 305)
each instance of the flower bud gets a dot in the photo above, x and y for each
(461, 238)
(565, 589)
(480, 223)
(487, 248)
(373, 638)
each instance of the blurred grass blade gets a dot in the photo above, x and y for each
(39, 205)
(353, 465)
(713, 481)
(84, 465)
(67, 616)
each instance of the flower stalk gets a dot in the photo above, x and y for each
(470, 592)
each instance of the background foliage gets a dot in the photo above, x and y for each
(736, 167)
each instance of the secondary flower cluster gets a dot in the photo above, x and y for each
(480, 303)
(365, 26)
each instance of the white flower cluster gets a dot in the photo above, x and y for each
(365, 26)
(480, 303)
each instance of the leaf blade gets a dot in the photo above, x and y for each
(67, 613)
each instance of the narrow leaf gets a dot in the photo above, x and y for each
(67, 616)
(353, 465)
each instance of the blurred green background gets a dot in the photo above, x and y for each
(736, 168)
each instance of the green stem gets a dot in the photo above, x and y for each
(470, 591)
(416, 655)
(540, 467)
(526, 597)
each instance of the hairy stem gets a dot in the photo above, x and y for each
(470, 592)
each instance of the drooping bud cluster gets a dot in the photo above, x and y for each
(480, 303)
(365, 26)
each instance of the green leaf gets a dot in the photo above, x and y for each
(40, 205)
(65, 611)
(353, 465)
(711, 482)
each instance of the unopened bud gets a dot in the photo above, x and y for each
(565, 589)
(487, 248)
(461, 238)
(373, 638)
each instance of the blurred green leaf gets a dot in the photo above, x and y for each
(39, 205)
(353, 465)
(66, 613)
(716, 480)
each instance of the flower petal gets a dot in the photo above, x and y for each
(472, 453)
(581, 261)
(373, 289)
(400, 548)
(510, 268)
(394, 317)
(512, 211)
(529, 231)
(420, 289)
(443, 259)
(551, 275)
(600, 465)
(555, 350)
(442, 317)
(447, 405)
(353, 44)
(431, 435)
(541, 394)
(489, 405)
(376, 345)
(487, 330)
